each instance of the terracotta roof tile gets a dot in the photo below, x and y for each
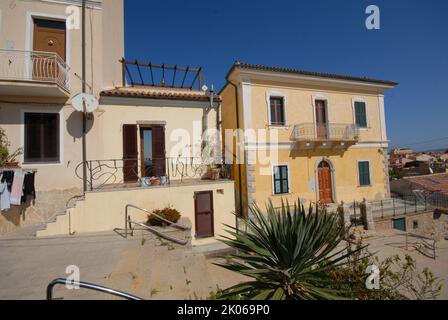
(257, 67)
(158, 93)
(433, 182)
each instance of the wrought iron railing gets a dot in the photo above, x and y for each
(331, 131)
(103, 173)
(18, 65)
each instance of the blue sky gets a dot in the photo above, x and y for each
(329, 36)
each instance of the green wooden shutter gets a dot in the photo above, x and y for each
(361, 114)
(364, 173)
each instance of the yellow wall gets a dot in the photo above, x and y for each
(303, 176)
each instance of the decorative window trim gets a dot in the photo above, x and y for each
(360, 99)
(61, 136)
(359, 174)
(273, 179)
(277, 94)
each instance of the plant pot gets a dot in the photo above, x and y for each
(14, 165)
(214, 174)
(155, 182)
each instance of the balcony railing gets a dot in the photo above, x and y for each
(34, 66)
(102, 174)
(308, 132)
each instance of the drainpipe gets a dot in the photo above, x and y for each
(238, 126)
(84, 117)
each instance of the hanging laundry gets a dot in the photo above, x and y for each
(17, 188)
(5, 195)
(28, 187)
(8, 178)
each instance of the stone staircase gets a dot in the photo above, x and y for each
(60, 223)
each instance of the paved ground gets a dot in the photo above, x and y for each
(145, 268)
(392, 243)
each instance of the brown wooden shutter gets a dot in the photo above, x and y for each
(130, 153)
(158, 150)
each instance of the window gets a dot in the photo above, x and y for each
(360, 114)
(278, 111)
(281, 183)
(41, 137)
(364, 173)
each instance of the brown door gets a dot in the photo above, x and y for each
(321, 119)
(49, 36)
(158, 151)
(325, 183)
(130, 153)
(204, 214)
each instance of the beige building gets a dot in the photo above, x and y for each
(142, 128)
(320, 137)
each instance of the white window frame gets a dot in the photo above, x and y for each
(359, 176)
(277, 94)
(273, 179)
(360, 99)
(61, 136)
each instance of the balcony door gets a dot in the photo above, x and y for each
(152, 151)
(48, 36)
(321, 120)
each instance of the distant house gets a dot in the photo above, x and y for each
(425, 158)
(434, 183)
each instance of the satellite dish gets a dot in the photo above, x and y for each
(83, 99)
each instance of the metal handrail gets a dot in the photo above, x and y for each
(89, 286)
(129, 222)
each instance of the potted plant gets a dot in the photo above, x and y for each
(214, 172)
(8, 159)
(167, 213)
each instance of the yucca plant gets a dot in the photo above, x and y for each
(288, 253)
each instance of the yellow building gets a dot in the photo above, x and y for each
(318, 137)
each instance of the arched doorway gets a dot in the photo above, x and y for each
(325, 182)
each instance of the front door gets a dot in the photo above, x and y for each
(49, 36)
(204, 213)
(325, 183)
(321, 120)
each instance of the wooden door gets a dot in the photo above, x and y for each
(158, 151)
(204, 214)
(49, 36)
(325, 183)
(321, 120)
(130, 153)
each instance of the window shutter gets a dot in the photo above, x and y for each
(364, 173)
(361, 114)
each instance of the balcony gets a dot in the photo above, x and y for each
(33, 74)
(330, 136)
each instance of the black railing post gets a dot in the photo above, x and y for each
(405, 206)
(393, 204)
(91, 174)
(415, 203)
(426, 202)
(354, 209)
(382, 210)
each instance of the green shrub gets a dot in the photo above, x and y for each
(167, 213)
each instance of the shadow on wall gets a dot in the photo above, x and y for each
(74, 124)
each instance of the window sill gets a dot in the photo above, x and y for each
(282, 194)
(40, 164)
(278, 126)
(367, 186)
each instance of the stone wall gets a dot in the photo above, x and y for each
(430, 224)
(36, 212)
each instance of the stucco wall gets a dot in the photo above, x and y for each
(304, 180)
(105, 210)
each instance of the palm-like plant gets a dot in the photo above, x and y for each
(288, 253)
